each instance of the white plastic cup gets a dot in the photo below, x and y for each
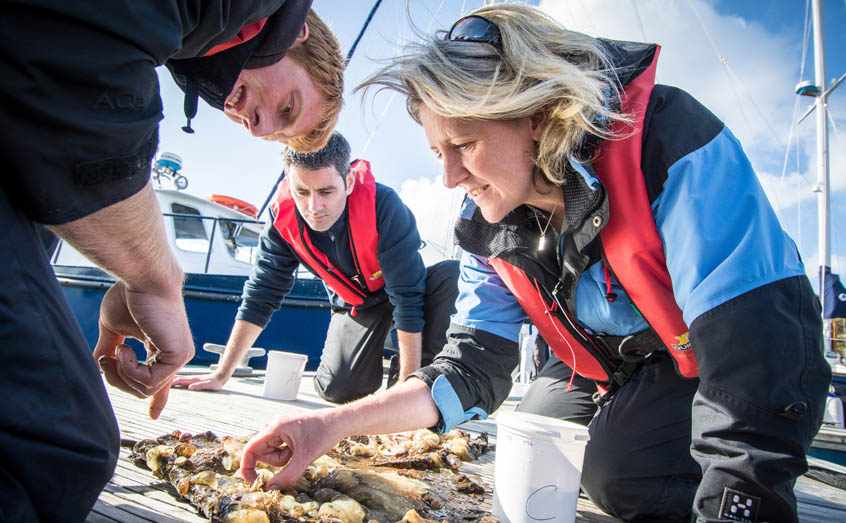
(833, 411)
(538, 468)
(283, 374)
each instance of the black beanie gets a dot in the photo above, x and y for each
(213, 77)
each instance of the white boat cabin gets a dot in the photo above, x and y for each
(207, 237)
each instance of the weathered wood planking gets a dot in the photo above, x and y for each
(135, 496)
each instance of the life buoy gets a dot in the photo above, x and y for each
(234, 203)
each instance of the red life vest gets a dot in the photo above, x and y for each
(361, 224)
(633, 250)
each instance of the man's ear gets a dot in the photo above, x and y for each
(350, 181)
(538, 123)
(303, 35)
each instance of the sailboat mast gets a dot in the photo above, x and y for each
(823, 198)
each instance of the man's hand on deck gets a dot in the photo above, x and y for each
(210, 381)
(293, 442)
(158, 319)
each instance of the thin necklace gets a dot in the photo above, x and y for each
(542, 240)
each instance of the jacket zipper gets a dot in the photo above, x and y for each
(330, 270)
(358, 278)
(575, 330)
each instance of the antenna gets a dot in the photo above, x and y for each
(167, 167)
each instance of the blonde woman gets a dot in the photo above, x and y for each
(624, 220)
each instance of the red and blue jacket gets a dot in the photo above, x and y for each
(678, 235)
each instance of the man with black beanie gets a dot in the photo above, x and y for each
(80, 127)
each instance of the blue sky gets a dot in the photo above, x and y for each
(760, 41)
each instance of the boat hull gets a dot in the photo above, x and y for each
(211, 302)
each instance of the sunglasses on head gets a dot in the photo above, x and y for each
(475, 28)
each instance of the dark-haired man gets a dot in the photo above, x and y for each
(80, 118)
(362, 241)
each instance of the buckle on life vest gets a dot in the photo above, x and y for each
(358, 281)
(635, 347)
(623, 373)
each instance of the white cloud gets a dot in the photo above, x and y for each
(435, 207)
(756, 102)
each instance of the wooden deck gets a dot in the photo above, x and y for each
(134, 495)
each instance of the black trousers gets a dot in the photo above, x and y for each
(58, 434)
(351, 362)
(637, 464)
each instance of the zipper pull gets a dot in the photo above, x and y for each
(609, 295)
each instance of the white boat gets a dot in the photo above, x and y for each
(215, 240)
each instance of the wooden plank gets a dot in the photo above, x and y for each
(134, 495)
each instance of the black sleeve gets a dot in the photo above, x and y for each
(80, 112)
(477, 364)
(763, 382)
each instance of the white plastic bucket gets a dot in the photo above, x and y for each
(283, 374)
(538, 468)
(833, 411)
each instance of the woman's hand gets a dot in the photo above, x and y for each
(292, 442)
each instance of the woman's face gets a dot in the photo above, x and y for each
(492, 160)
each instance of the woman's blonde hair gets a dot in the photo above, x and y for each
(320, 55)
(539, 67)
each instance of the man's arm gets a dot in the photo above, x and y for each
(406, 406)
(127, 239)
(270, 281)
(402, 267)
(410, 352)
(243, 335)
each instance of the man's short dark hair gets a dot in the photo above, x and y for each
(336, 152)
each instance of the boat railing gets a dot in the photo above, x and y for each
(233, 235)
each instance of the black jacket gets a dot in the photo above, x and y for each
(81, 101)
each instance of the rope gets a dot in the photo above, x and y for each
(733, 79)
(840, 141)
(639, 21)
(394, 93)
(805, 40)
(363, 29)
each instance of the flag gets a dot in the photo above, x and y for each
(835, 296)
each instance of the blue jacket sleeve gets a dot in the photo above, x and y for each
(738, 244)
(471, 377)
(271, 279)
(399, 258)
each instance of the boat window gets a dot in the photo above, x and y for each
(190, 232)
(241, 242)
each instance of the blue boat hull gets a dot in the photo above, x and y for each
(211, 302)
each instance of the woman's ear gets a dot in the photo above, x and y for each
(538, 124)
